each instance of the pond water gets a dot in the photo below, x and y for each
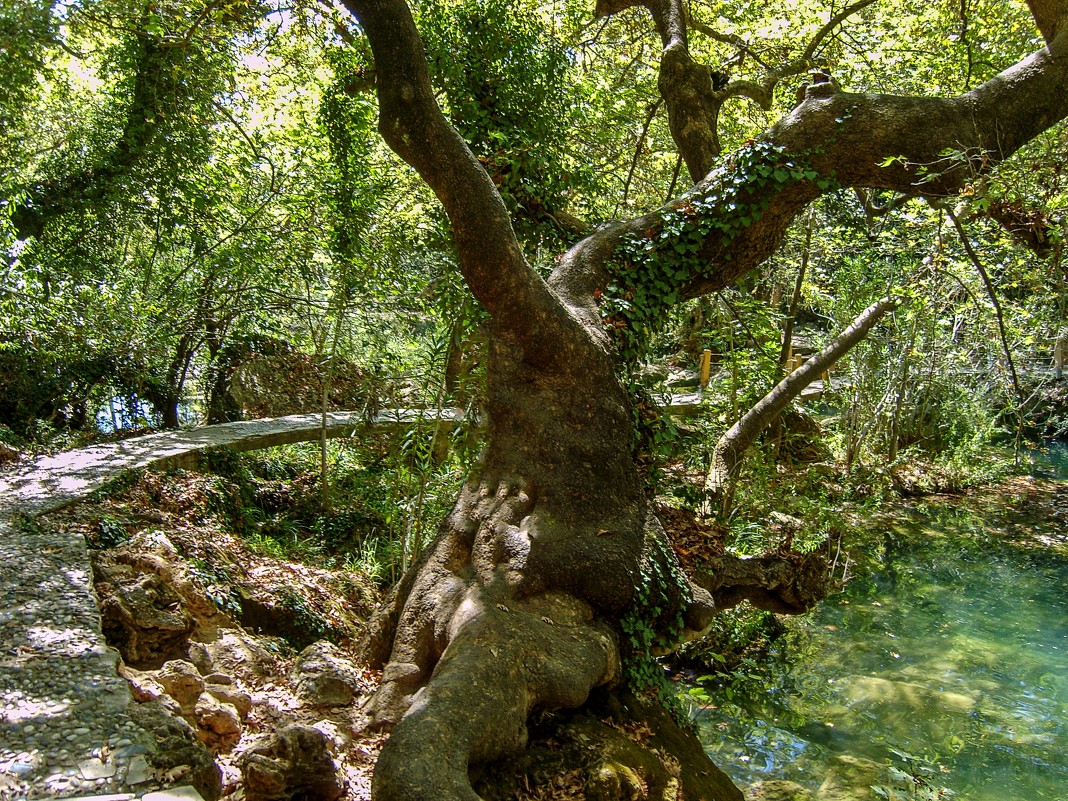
(948, 660)
(1050, 460)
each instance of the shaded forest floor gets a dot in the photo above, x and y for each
(192, 607)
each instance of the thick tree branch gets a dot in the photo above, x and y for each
(735, 218)
(686, 86)
(937, 145)
(692, 101)
(1050, 16)
(413, 126)
(912, 145)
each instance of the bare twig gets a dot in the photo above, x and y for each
(973, 257)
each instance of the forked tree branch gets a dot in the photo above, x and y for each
(693, 100)
(761, 92)
(736, 216)
(918, 146)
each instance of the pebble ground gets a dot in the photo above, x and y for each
(64, 727)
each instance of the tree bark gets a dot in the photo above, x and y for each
(1060, 354)
(512, 607)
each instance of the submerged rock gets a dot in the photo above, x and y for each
(849, 778)
(904, 695)
(778, 790)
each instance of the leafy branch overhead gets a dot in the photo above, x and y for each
(169, 79)
(736, 214)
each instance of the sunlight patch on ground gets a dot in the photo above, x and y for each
(61, 642)
(20, 708)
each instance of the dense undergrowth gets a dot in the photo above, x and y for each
(381, 497)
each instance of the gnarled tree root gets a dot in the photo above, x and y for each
(504, 659)
(485, 630)
(619, 747)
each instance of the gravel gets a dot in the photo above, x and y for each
(64, 727)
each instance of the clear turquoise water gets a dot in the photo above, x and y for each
(955, 651)
(1051, 459)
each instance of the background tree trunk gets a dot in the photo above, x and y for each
(1060, 354)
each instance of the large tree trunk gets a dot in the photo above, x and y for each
(511, 608)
